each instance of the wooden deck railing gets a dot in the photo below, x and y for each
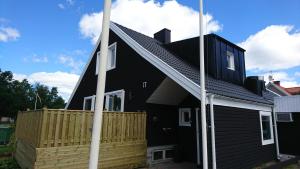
(55, 128)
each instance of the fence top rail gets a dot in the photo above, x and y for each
(83, 111)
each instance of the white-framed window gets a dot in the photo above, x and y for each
(266, 126)
(230, 60)
(284, 117)
(111, 58)
(89, 103)
(185, 117)
(114, 101)
(164, 154)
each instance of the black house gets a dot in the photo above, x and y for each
(162, 78)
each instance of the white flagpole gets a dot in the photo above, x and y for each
(202, 90)
(97, 122)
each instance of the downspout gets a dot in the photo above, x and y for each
(212, 124)
(276, 134)
(198, 137)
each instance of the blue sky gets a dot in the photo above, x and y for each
(50, 41)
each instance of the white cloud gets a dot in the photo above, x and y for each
(42, 59)
(65, 82)
(297, 74)
(285, 79)
(70, 2)
(148, 17)
(61, 6)
(8, 34)
(273, 48)
(69, 61)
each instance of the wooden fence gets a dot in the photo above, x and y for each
(50, 130)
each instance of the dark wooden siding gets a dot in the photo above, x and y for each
(215, 55)
(238, 139)
(130, 72)
(289, 136)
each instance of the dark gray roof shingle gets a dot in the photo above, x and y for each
(213, 85)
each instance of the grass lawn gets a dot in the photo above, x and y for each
(6, 149)
(8, 163)
(294, 166)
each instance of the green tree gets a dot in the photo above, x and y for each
(20, 95)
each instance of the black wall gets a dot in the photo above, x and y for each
(130, 73)
(289, 136)
(238, 139)
(216, 49)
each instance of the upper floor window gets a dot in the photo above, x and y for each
(230, 60)
(266, 126)
(89, 103)
(111, 58)
(114, 101)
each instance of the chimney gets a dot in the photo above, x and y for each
(256, 84)
(277, 83)
(164, 36)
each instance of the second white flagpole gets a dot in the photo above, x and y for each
(202, 89)
(97, 121)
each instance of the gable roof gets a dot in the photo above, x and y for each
(293, 90)
(183, 73)
(213, 86)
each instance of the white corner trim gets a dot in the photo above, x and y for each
(182, 80)
(270, 141)
(83, 72)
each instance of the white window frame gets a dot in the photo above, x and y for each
(181, 117)
(230, 63)
(163, 154)
(108, 67)
(289, 121)
(92, 104)
(122, 91)
(271, 140)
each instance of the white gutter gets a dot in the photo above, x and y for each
(276, 135)
(212, 124)
(202, 90)
(198, 137)
(97, 121)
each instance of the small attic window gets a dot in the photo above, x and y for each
(230, 60)
(111, 58)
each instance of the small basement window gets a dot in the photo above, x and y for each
(284, 117)
(230, 60)
(111, 58)
(185, 117)
(114, 101)
(162, 154)
(266, 128)
(89, 103)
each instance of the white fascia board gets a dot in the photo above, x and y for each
(182, 80)
(230, 102)
(83, 72)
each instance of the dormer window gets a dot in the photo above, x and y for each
(230, 60)
(111, 58)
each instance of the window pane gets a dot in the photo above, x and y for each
(108, 66)
(186, 117)
(169, 153)
(266, 121)
(158, 155)
(114, 101)
(113, 57)
(88, 104)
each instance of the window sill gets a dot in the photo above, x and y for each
(267, 142)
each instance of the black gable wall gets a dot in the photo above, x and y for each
(130, 73)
